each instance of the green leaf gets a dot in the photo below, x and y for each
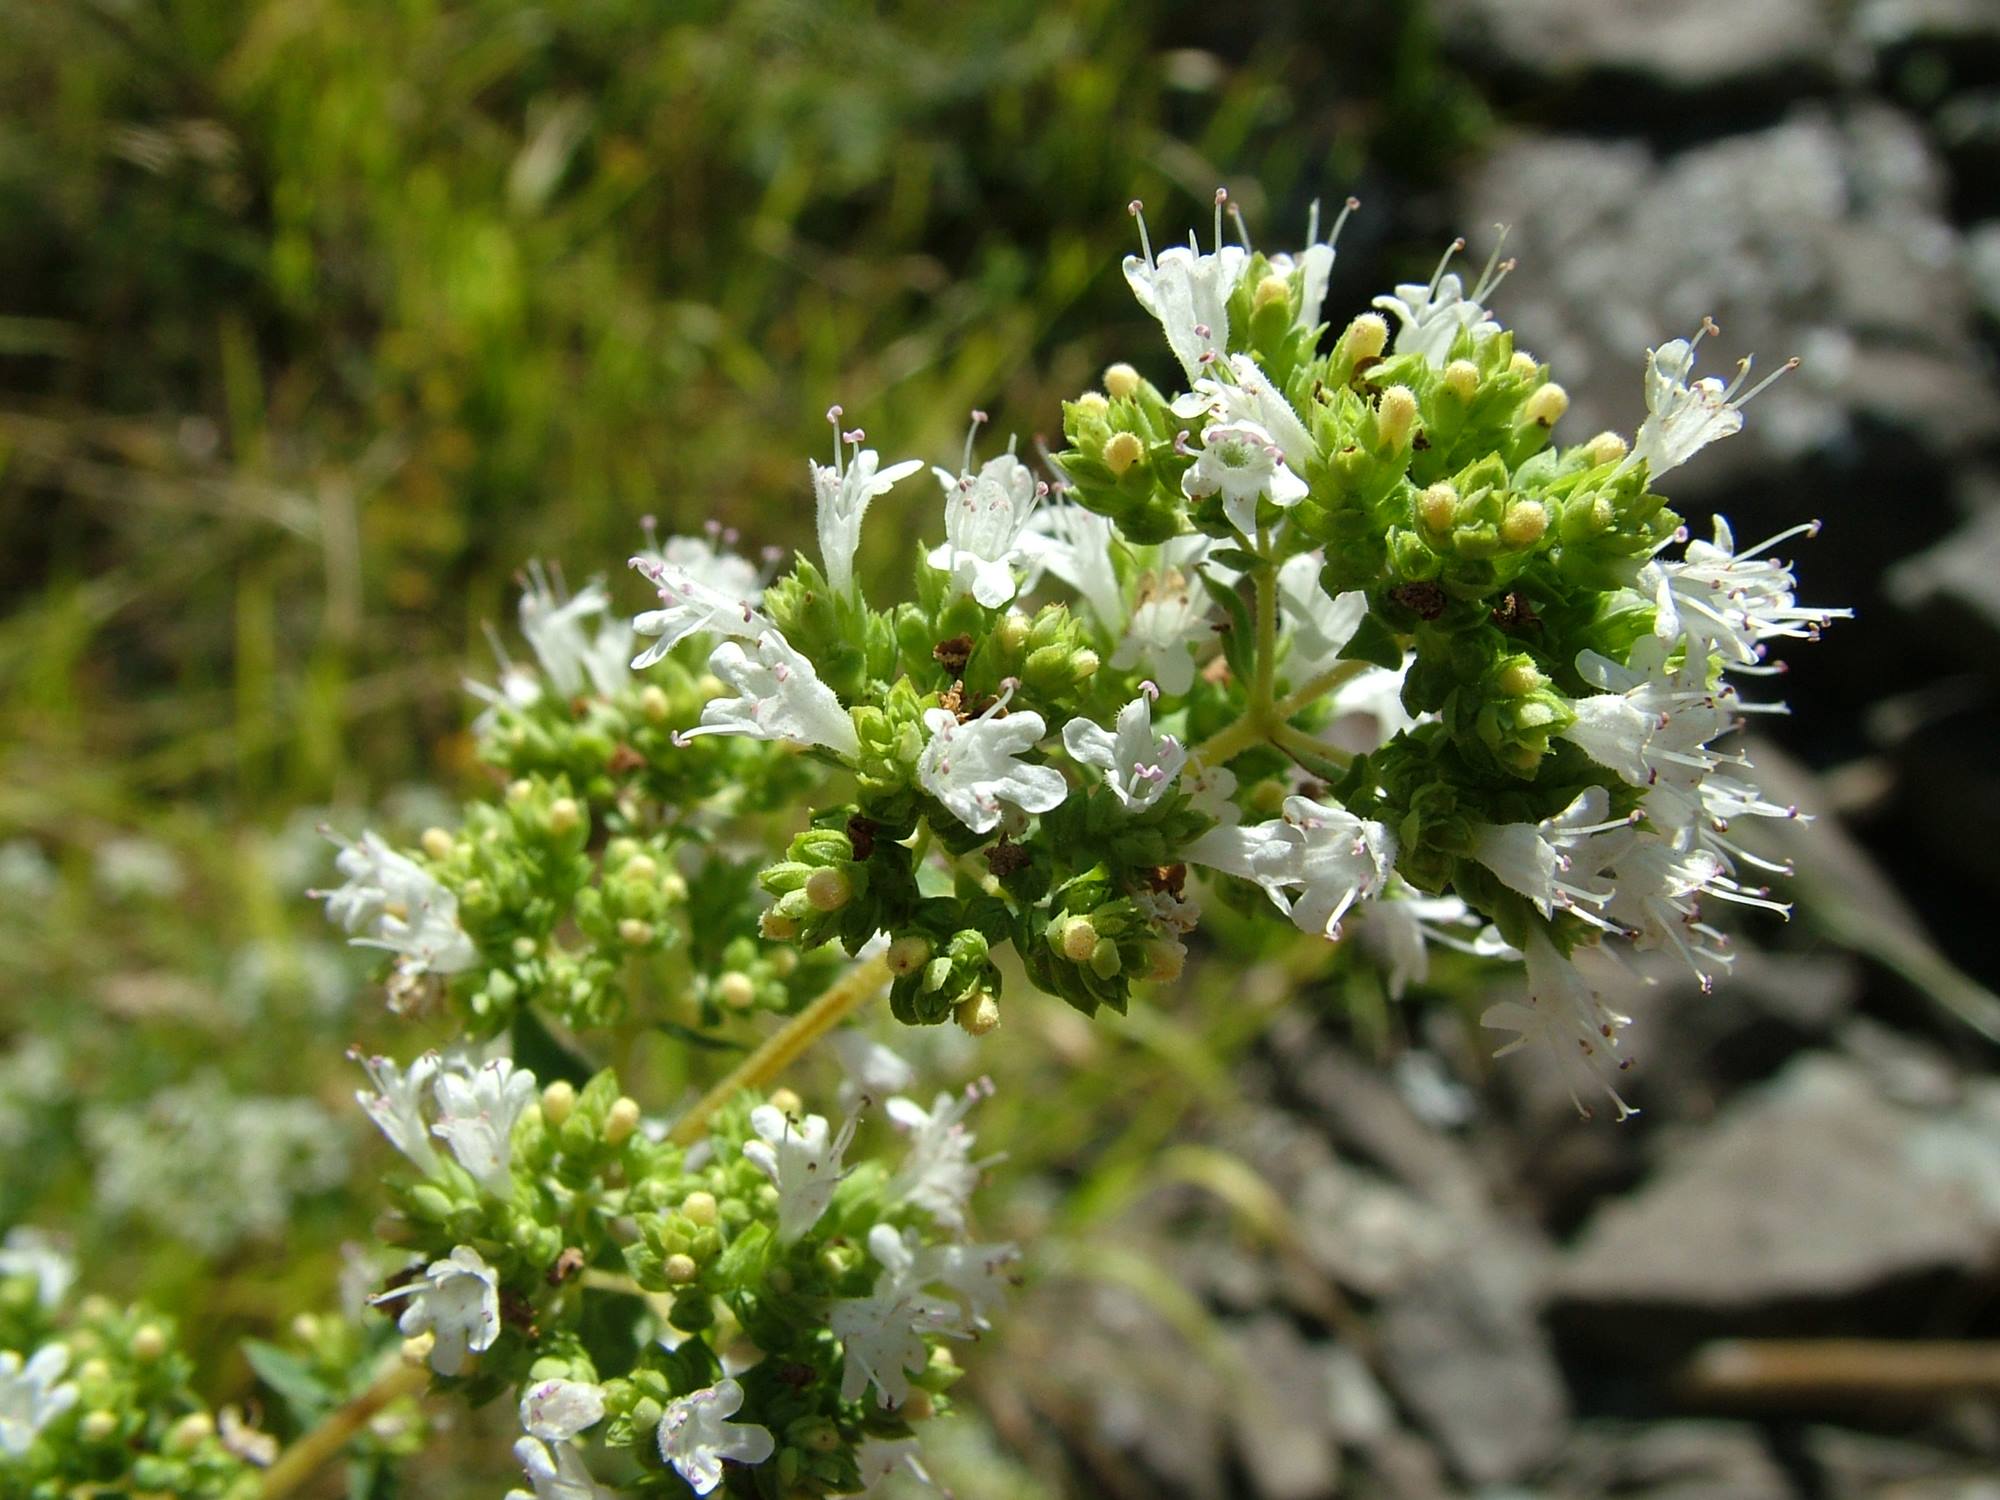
(1375, 643)
(304, 1394)
(541, 1054)
(1239, 641)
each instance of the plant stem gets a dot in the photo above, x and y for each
(840, 999)
(1267, 635)
(319, 1447)
(1319, 687)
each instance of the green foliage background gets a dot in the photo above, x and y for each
(319, 319)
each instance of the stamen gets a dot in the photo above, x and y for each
(1221, 198)
(972, 432)
(1242, 229)
(1708, 326)
(1495, 271)
(1438, 275)
(1138, 211)
(1333, 234)
(833, 415)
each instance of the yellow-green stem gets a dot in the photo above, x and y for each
(319, 1447)
(1319, 687)
(840, 1000)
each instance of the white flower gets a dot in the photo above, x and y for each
(391, 902)
(985, 517)
(1331, 856)
(708, 561)
(456, 1301)
(557, 1410)
(557, 1472)
(778, 697)
(1655, 899)
(1566, 1013)
(1138, 765)
(571, 657)
(691, 605)
(1400, 930)
(1653, 725)
(1243, 463)
(1685, 418)
(30, 1398)
(802, 1161)
(1558, 862)
(871, 1070)
(241, 1438)
(1314, 264)
(1431, 317)
(972, 768)
(1241, 393)
(1733, 601)
(1210, 790)
(1076, 545)
(477, 1110)
(1188, 292)
(29, 1252)
(883, 1334)
(842, 494)
(1318, 624)
(397, 1105)
(938, 1173)
(880, 1459)
(1170, 616)
(695, 1438)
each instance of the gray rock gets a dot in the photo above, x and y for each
(1823, 236)
(1898, 23)
(1813, 1187)
(1282, 1412)
(1960, 576)
(1982, 264)
(1681, 46)
(1863, 1466)
(1673, 1461)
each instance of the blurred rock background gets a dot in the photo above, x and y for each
(318, 320)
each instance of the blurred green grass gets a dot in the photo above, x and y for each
(318, 320)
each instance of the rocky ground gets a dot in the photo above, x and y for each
(1780, 1280)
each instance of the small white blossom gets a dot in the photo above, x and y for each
(30, 1397)
(243, 1439)
(1343, 859)
(841, 496)
(1431, 316)
(692, 605)
(883, 1334)
(397, 1105)
(986, 517)
(456, 1301)
(803, 1162)
(1565, 1012)
(1210, 792)
(1237, 391)
(938, 1173)
(391, 902)
(557, 1472)
(477, 1110)
(1314, 264)
(27, 1251)
(1170, 616)
(695, 1437)
(1557, 863)
(1077, 546)
(1318, 624)
(557, 1410)
(870, 1070)
(1188, 292)
(1243, 463)
(572, 657)
(1400, 930)
(1655, 899)
(974, 767)
(779, 696)
(1733, 601)
(1683, 418)
(1138, 765)
(881, 1459)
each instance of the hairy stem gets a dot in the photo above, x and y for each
(840, 1000)
(1320, 686)
(319, 1447)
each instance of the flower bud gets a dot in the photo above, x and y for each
(635, 933)
(700, 1207)
(1546, 404)
(1271, 291)
(1523, 365)
(520, 790)
(1084, 664)
(1121, 381)
(1123, 451)
(1437, 507)
(653, 702)
(190, 1432)
(1104, 960)
(1077, 938)
(829, 889)
(306, 1328)
(523, 946)
(978, 1015)
(417, 1348)
(642, 868)
(787, 1102)
(735, 990)
(564, 816)
(558, 1100)
(1165, 961)
(907, 954)
(673, 886)
(1605, 448)
(782, 962)
(919, 1407)
(1519, 678)
(98, 1427)
(679, 1269)
(621, 1120)
(437, 843)
(778, 927)
(1367, 336)
(1524, 523)
(1011, 632)
(1461, 378)
(1395, 415)
(1093, 404)
(93, 1372)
